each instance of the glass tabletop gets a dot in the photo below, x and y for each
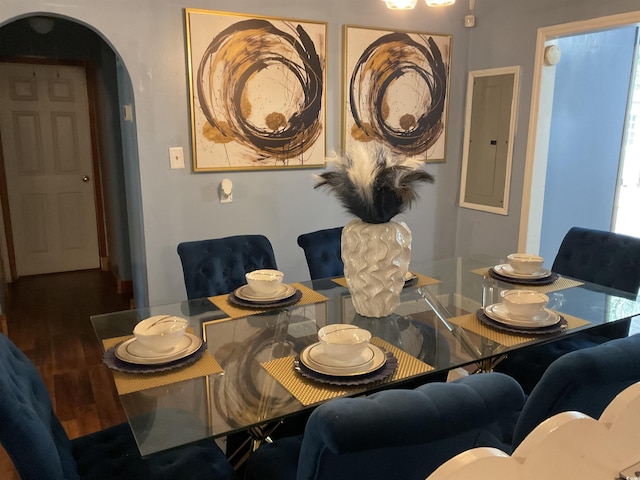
(248, 376)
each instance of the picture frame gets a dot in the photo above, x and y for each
(257, 91)
(396, 91)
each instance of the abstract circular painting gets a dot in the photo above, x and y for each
(257, 91)
(396, 91)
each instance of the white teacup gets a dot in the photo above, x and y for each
(524, 304)
(265, 281)
(525, 263)
(160, 333)
(343, 342)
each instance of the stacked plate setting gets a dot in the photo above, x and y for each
(507, 270)
(131, 351)
(522, 311)
(158, 340)
(246, 297)
(498, 312)
(315, 358)
(248, 294)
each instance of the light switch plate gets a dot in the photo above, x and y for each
(176, 157)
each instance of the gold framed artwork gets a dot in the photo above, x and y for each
(396, 91)
(257, 91)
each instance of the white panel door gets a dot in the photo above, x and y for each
(46, 140)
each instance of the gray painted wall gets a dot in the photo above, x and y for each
(169, 206)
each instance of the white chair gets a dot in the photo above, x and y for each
(567, 445)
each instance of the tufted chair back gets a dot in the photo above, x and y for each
(585, 381)
(601, 257)
(604, 258)
(404, 434)
(322, 249)
(218, 266)
(40, 449)
(29, 429)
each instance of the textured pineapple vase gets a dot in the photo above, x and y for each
(376, 259)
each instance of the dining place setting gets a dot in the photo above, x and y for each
(345, 359)
(159, 343)
(523, 269)
(523, 312)
(516, 314)
(344, 355)
(264, 290)
(162, 350)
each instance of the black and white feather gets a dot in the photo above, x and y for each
(374, 185)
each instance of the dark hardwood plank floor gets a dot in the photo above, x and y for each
(48, 319)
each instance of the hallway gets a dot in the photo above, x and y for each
(48, 319)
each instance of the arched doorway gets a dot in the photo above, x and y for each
(54, 40)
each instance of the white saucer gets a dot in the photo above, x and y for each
(132, 351)
(500, 313)
(377, 359)
(506, 270)
(246, 293)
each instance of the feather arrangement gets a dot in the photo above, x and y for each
(375, 186)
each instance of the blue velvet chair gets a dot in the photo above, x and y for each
(322, 249)
(404, 434)
(40, 449)
(585, 381)
(601, 257)
(218, 266)
(604, 258)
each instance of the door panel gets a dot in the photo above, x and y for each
(44, 119)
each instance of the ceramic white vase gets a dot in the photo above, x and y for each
(376, 259)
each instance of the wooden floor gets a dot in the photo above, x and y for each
(48, 319)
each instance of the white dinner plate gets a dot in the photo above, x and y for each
(499, 313)
(506, 270)
(246, 293)
(132, 351)
(378, 360)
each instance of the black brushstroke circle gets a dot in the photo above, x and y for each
(257, 45)
(400, 55)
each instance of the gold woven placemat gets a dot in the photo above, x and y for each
(309, 392)
(134, 382)
(470, 322)
(309, 296)
(423, 280)
(561, 283)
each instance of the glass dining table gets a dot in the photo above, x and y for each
(248, 374)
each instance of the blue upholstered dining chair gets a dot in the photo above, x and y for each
(218, 266)
(585, 380)
(604, 258)
(322, 249)
(35, 440)
(391, 434)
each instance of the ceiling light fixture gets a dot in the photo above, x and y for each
(440, 3)
(400, 4)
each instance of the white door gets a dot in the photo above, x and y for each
(46, 141)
